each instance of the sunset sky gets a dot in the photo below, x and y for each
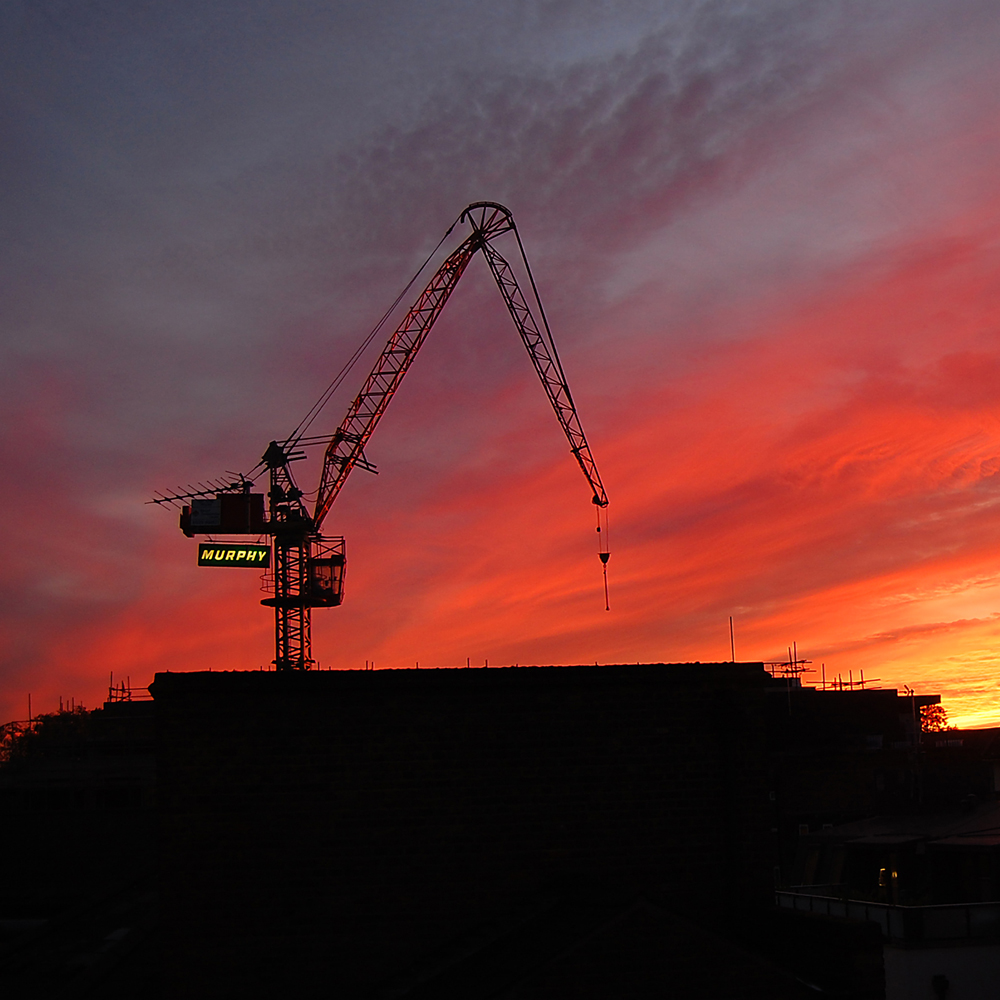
(767, 236)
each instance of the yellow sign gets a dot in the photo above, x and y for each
(229, 554)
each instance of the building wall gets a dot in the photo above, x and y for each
(330, 827)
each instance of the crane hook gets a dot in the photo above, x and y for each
(604, 550)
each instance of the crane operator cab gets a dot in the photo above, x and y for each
(327, 567)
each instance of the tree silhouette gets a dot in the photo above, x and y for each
(934, 719)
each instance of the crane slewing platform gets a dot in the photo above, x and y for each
(308, 568)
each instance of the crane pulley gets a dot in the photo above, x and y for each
(308, 568)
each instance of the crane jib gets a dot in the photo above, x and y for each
(489, 220)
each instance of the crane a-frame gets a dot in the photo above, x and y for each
(307, 570)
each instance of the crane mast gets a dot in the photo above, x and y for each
(308, 568)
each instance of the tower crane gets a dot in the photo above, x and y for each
(308, 568)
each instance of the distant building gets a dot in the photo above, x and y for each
(880, 823)
(842, 755)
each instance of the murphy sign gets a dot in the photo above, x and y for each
(228, 554)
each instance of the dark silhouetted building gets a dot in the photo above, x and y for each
(342, 828)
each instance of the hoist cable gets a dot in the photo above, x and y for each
(541, 312)
(293, 439)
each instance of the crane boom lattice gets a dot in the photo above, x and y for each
(347, 446)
